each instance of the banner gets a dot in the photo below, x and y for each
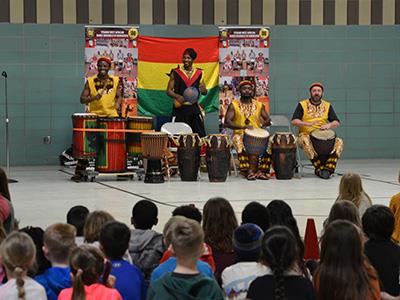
(158, 56)
(120, 45)
(243, 54)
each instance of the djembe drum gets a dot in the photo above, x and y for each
(154, 145)
(283, 147)
(84, 143)
(218, 154)
(255, 143)
(323, 142)
(188, 156)
(111, 147)
(133, 142)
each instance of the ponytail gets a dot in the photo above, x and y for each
(18, 272)
(279, 284)
(78, 292)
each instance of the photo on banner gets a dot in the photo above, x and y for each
(243, 54)
(119, 44)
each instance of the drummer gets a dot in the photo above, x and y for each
(316, 113)
(102, 96)
(248, 113)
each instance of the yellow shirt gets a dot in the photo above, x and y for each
(105, 106)
(395, 207)
(313, 113)
(252, 112)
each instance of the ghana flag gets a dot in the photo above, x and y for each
(158, 56)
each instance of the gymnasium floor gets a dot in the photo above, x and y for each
(43, 195)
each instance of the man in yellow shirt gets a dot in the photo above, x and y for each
(103, 97)
(316, 113)
(247, 113)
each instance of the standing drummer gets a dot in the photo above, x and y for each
(102, 96)
(248, 113)
(187, 80)
(317, 113)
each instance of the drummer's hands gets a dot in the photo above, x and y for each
(248, 127)
(180, 99)
(325, 126)
(97, 97)
(313, 123)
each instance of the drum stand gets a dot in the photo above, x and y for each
(4, 74)
(154, 171)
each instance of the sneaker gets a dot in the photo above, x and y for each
(324, 174)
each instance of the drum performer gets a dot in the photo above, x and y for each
(102, 96)
(313, 114)
(184, 86)
(248, 113)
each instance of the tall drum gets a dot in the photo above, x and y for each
(133, 141)
(154, 145)
(255, 143)
(111, 150)
(218, 156)
(189, 156)
(323, 142)
(84, 143)
(283, 147)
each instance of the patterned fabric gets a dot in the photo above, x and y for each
(314, 113)
(105, 106)
(247, 114)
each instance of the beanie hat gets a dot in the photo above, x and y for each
(247, 240)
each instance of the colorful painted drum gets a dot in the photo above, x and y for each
(84, 143)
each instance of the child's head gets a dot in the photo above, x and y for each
(247, 242)
(18, 254)
(94, 222)
(344, 210)
(279, 249)
(87, 265)
(144, 215)
(256, 213)
(76, 216)
(114, 239)
(219, 223)
(378, 222)
(350, 188)
(186, 237)
(58, 241)
(188, 211)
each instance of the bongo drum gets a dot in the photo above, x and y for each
(111, 148)
(188, 156)
(154, 145)
(133, 142)
(255, 143)
(283, 146)
(323, 141)
(84, 143)
(218, 155)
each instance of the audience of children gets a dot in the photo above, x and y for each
(205, 256)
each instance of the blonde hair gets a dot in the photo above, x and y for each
(93, 224)
(18, 253)
(59, 239)
(186, 237)
(351, 189)
(87, 265)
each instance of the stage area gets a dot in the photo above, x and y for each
(43, 195)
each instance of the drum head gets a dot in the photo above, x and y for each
(84, 115)
(154, 134)
(140, 118)
(257, 132)
(323, 135)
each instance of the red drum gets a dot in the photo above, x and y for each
(111, 151)
(84, 143)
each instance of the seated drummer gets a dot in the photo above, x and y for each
(316, 113)
(102, 96)
(247, 113)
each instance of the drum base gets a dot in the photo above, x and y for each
(189, 163)
(218, 165)
(153, 171)
(284, 163)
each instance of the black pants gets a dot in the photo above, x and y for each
(195, 121)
